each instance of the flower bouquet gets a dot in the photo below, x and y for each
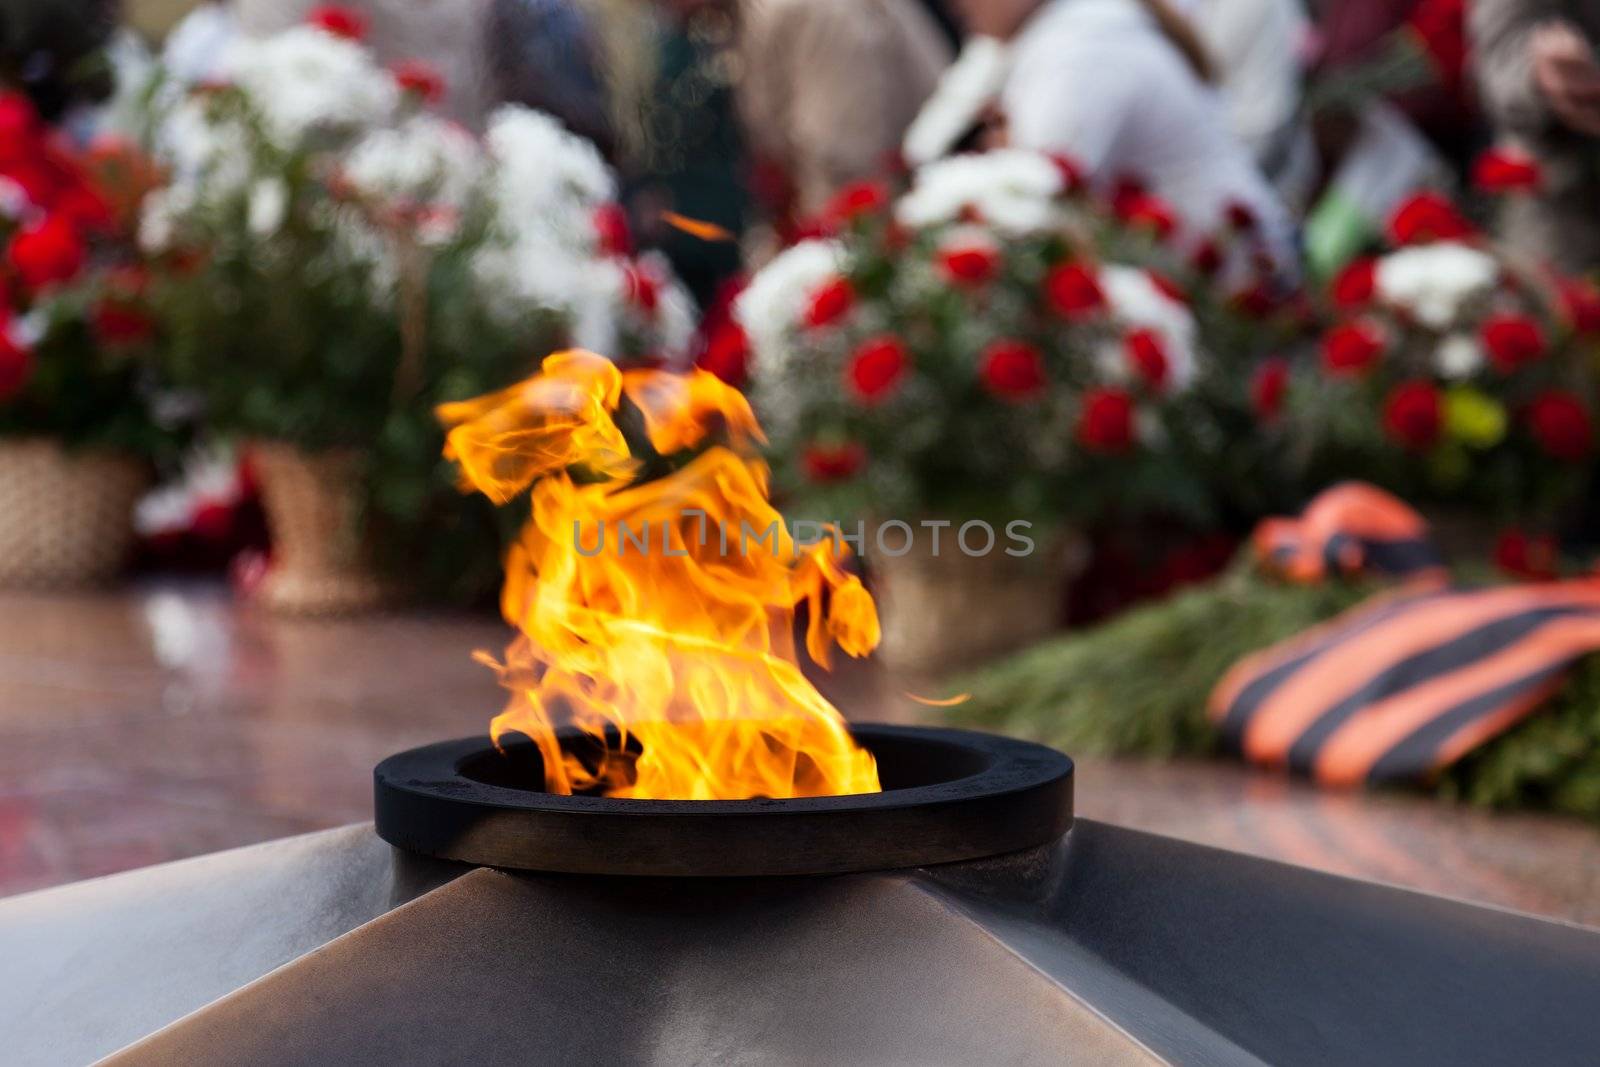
(1452, 375)
(338, 259)
(984, 350)
(76, 424)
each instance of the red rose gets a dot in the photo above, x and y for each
(1012, 370)
(1147, 355)
(1071, 172)
(1512, 341)
(833, 463)
(19, 126)
(643, 290)
(340, 21)
(1348, 350)
(47, 252)
(1207, 258)
(1439, 27)
(830, 302)
(421, 79)
(1354, 287)
(1427, 216)
(876, 367)
(1561, 425)
(1413, 415)
(969, 266)
(16, 364)
(727, 354)
(1529, 557)
(1073, 291)
(1105, 423)
(610, 222)
(1506, 170)
(1241, 216)
(854, 201)
(1580, 302)
(1269, 386)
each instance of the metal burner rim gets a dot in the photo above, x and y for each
(1018, 795)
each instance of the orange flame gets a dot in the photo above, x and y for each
(656, 613)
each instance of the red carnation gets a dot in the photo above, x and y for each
(1147, 355)
(1414, 414)
(1561, 425)
(421, 79)
(1207, 258)
(969, 266)
(833, 463)
(1012, 370)
(611, 229)
(643, 290)
(854, 201)
(119, 322)
(1073, 291)
(1071, 172)
(830, 302)
(727, 354)
(1440, 29)
(1512, 341)
(1269, 387)
(1348, 350)
(1149, 212)
(19, 126)
(1105, 424)
(339, 20)
(1580, 301)
(1241, 216)
(16, 363)
(1256, 301)
(1167, 287)
(47, 252)
(876, 367)
(1427, 216)
(1355, 284)
(1506, 170)
(1525, 556)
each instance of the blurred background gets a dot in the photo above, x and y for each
(1254, 319)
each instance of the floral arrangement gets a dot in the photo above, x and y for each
(1450, 372)
(336, 259)
(996, 338)
(74, 334)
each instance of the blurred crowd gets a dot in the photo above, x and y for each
(750, 115)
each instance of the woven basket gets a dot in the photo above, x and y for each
(66, 517)
(950, 611)
(320, 562)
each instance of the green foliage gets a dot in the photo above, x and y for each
(1137, 686)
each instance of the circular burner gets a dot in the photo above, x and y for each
(949, 796)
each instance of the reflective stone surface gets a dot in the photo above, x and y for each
(168, 721)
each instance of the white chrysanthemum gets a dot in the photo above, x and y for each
(423, 160)
(603, 308)
(1458, 356)
(162, 214)
(770, 307)
(519, 275)
(1434, 281)
(305, 79)
(1011, 189)
(267, 207)
(966, 87)
(1139, 303)
(208, 154)
(546, 179)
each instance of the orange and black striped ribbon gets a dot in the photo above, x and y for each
(1407, 682)
(1348, 529)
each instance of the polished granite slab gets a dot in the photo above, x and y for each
(167, 720)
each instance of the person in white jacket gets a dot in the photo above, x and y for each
(1121, 86)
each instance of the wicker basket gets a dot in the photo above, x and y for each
(950, 611)
(66, 517)
(320, 562)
